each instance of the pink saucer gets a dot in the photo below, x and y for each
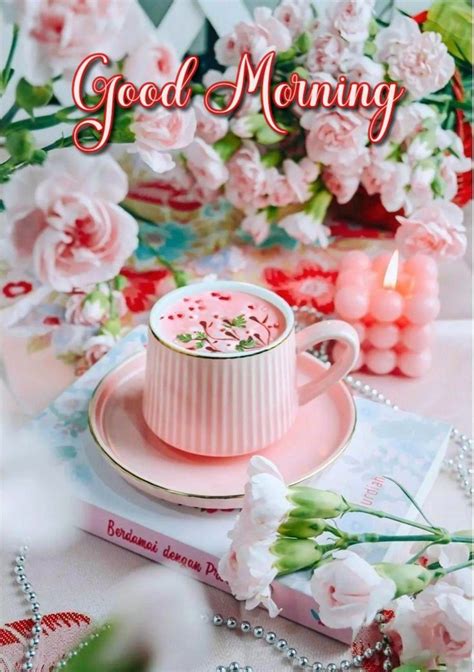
(321, 433)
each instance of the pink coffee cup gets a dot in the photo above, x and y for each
(231, 403)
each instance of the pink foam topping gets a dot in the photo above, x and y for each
(222, 322)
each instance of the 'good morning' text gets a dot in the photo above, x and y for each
(115, 91)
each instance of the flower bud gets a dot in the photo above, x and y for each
(314, 503)
(113, 327)
(409, 579)
(28, 96)
(20, 145)
(294, 554)
(302, 528)
(95, 306)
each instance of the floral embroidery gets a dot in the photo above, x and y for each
(142, 287)
(13, 289)
(308, 285)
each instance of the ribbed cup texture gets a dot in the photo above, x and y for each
(220, 407)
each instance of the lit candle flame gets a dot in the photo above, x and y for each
(391, 274)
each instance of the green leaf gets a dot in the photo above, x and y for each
(238, 321)
(303, 43)
(246, 344)
(227, 146)
(272, 158)
(94, 658)
(28, 96)
(199, 336)
(184, 338)
(122, 132)
(199, 345)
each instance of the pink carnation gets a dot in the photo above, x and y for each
(326, 54)
(264, 34)
(257, 226)
(58, 35)
(206, 165)
(210, 127)
(434, 229)
(247, 187)
(152, 61)
(351, 18)
(301, 176)
(342, 185)
(65, 222)
(305, 228)
(294, 14)
(419, 61)
(336, 137)
(437, 624)
(159, 131)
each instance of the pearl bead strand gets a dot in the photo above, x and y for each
(30, 595)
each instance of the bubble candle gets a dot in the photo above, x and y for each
(391, 303)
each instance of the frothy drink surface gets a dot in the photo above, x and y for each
(219, 321)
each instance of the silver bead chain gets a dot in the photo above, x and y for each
(291, 655)
(27, 589)
(459, 464)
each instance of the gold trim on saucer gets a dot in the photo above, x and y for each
(155, 486)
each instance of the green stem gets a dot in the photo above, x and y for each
(9, 115)
(355, 508)
(456, 568)
(45, 121)
(6, 72)
(178, 276)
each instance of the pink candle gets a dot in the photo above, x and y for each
(392, 304)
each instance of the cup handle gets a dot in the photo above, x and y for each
(327, 331)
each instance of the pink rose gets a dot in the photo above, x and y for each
(349, 592)
(264, 34)
(419, 61)
(326, 54)
(206, 165)
(335, 137)
(305, 228)
(247, 187)
(257, 226)
(65, 222)
(295, 15)
(152, 61)
(351, 18)
(436, 624)
(342, 185)
(434, 229)
(158, 132)
(210, 127)
(58, 35)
